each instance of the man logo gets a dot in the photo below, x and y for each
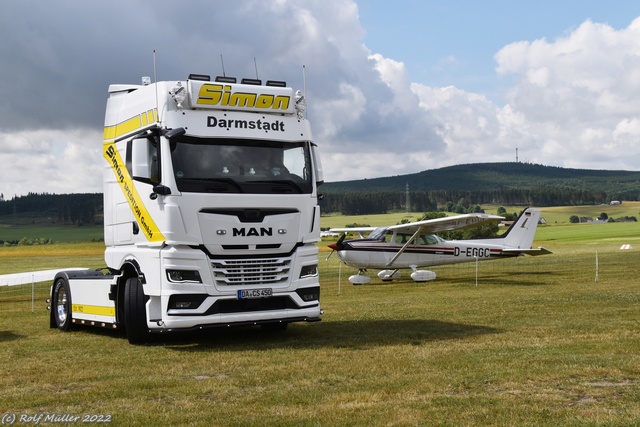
(247, 232)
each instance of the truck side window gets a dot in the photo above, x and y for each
(127, 161)
(153, 162)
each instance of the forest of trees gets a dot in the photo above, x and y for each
(78, 209)
(373, 202)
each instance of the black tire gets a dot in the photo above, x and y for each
(135, 319)
(61, 305)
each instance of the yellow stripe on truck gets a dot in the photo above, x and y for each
(96, 310)
(112, 133)
(146, 223)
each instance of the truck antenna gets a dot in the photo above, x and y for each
(222, 61)
(155, 80)
(304, 87)
(255, 64)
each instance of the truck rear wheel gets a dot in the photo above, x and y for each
(61, 301)
(135, 319)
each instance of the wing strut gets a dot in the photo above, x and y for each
(395, 257)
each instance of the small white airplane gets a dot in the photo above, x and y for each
(414, 245)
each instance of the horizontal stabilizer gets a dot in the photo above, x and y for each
(533, 251)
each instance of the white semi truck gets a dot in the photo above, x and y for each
(211, 213)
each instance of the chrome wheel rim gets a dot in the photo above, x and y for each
(61, 305)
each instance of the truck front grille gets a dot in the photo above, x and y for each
(251, 272)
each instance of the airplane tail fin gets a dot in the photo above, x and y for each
(521, 233)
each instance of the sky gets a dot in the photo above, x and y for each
(391, 88)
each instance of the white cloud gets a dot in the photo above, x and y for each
(394, 75)
(590, 65)
(50, 161)
(579, 93)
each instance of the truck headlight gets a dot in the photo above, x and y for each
(310, 270)
(184, 276)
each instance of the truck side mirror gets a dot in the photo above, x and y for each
(144, 160)
(317, 166)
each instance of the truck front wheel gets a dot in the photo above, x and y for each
(135, 319)
(61, 300)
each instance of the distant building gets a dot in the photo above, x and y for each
(594, 221)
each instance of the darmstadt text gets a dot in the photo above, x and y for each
(274, 126)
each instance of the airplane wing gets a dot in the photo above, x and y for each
(430, 226)
(437, 225)
(533, 251)
(360, 230)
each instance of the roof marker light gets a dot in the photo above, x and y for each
(225, 79)
(276, 83)
(251, 82)
(201, 77)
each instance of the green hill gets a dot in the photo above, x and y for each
(499, 176)
(515, 184)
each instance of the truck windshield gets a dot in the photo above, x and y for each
(205, 165)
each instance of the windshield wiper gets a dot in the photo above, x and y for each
(275, 182)
(202, 181)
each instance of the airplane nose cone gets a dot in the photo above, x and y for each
(338, 246)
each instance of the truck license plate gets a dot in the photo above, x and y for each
(255, 293)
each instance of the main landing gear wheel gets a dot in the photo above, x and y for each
(135, 319)
(389, 275)
(61, 305)
(359, 279)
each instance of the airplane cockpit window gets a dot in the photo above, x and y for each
(377, 234)
(423, 239)
(403, 238)
(428, 239)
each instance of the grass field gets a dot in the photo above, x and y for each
(57, 233)
(535, 341)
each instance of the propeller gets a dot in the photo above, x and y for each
(337, 246)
